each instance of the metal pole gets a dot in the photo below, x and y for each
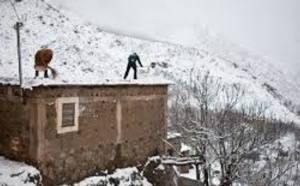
(17, 26)
(197, 171)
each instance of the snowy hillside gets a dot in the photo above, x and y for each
(84, 54)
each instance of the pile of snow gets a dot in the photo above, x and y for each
(122, 177)
(84, 54)
(18, 174)
(185, 148)
(172, 135)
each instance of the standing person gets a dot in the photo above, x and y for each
(132, 64)
(41, 62)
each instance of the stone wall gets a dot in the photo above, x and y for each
(118, 126)
(14, 125)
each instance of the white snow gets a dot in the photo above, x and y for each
(287, 143)
(191, 174)
(171, 135)
(16, 173)
(185, 148)
(126, 177)
(86, 55)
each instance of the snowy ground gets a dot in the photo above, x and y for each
(19, 174)
(126, 176)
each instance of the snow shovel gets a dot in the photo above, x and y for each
(152, 65)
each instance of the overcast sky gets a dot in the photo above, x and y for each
(268, 28)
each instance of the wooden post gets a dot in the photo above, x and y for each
(197, 171)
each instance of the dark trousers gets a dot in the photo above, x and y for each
(45, 74)
(130, 65)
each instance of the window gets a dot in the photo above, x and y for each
(67, 114)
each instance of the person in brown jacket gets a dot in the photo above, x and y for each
(41, 62)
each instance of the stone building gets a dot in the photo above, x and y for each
(70, 132)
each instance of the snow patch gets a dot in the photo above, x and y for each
(18, 174)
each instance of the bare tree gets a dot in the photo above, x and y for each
(214, 120)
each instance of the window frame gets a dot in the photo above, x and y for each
(59, 111)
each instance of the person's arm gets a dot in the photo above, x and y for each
(138, 59)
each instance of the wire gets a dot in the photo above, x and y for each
(17, 15)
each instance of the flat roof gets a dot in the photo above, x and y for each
(32, 82)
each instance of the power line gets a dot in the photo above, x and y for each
(17, 15)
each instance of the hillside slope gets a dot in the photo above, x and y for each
(84, 54)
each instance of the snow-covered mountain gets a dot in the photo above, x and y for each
(85, 54)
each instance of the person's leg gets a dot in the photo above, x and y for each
(36, 73)
(46, 74)
(127, 71)
(135, 74)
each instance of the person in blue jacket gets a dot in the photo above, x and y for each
(132, 64)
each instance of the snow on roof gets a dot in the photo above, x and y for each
(84, 54)
(185, 148)
(171, 135)
(36, 82)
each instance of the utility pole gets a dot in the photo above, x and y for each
(17, 26)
